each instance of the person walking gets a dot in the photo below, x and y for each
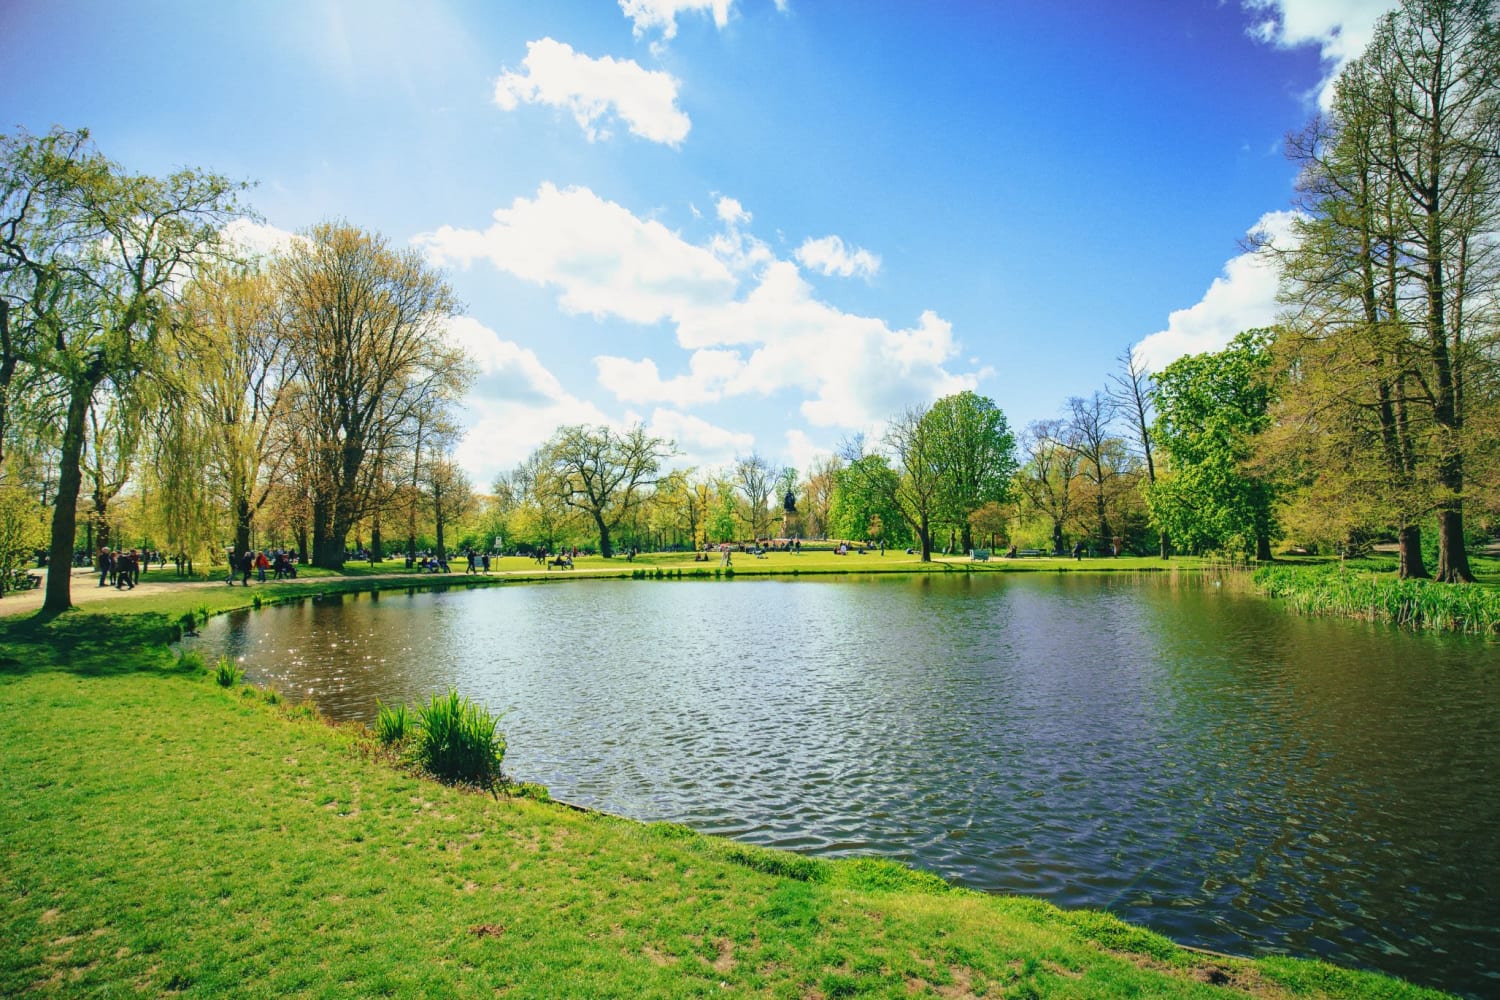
(106, 563)
(247, 566)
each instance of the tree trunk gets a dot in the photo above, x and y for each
(327, 541)
(1412, 566)
(1263, 548)
(604, 548)
(330, 554)
(241, 524)
(967, 537)
(1453, 559)
(924, 535)
(59, 597)
(376, 555)
(1057, 538)
(1166, 545)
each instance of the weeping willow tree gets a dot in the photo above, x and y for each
(178, 502)
(90, 260)
(23, 529)
(237, 373)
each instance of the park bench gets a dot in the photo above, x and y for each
(980, 555)
(1030, 552)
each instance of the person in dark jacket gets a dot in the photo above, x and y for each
(247, 566)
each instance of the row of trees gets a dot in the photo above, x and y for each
(311, 387)
(146, 368)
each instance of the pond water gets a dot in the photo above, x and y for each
(1190, 758)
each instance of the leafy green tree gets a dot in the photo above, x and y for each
(864, 493)
(1396, 259)
(975, 455)
(22, 530)
(90, 259)
(724, 516)
(1209, 409)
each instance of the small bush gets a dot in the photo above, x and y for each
(393, 723)
(532, 790)
(228, 673)
(457, 740)
(191, 661)
(188, 624)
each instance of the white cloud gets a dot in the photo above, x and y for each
(731, 212)
(699, 443)
(661, 15)
(1339, 28)
(1242, 298)
(604, 260)
(255, 239)
(641, 381)
(514, 405)
(802, 453)
(853, 370)
(829, 256)
(595, 90)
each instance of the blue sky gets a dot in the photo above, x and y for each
(752, 224)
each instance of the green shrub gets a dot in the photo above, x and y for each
(191, 661)
(532, 790)
(457, 740)
(188, 624)
(228, 673)
(393, 723)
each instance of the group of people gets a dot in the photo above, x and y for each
(122, 569)
(281, 562)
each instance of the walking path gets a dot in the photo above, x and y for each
(86, 589)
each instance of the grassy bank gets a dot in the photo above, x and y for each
(164, 834)
(1375, 594)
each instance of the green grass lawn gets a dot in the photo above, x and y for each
(165, 835)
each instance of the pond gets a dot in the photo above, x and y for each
(1190, 758)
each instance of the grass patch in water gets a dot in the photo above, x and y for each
(1377, 596)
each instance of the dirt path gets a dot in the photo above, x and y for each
(86, 589)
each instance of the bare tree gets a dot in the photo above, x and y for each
(366, 335)
(604, 474)
(916, 445)
(1048, 469)
(1130, 390)
(1088, 437)
(755, 478)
